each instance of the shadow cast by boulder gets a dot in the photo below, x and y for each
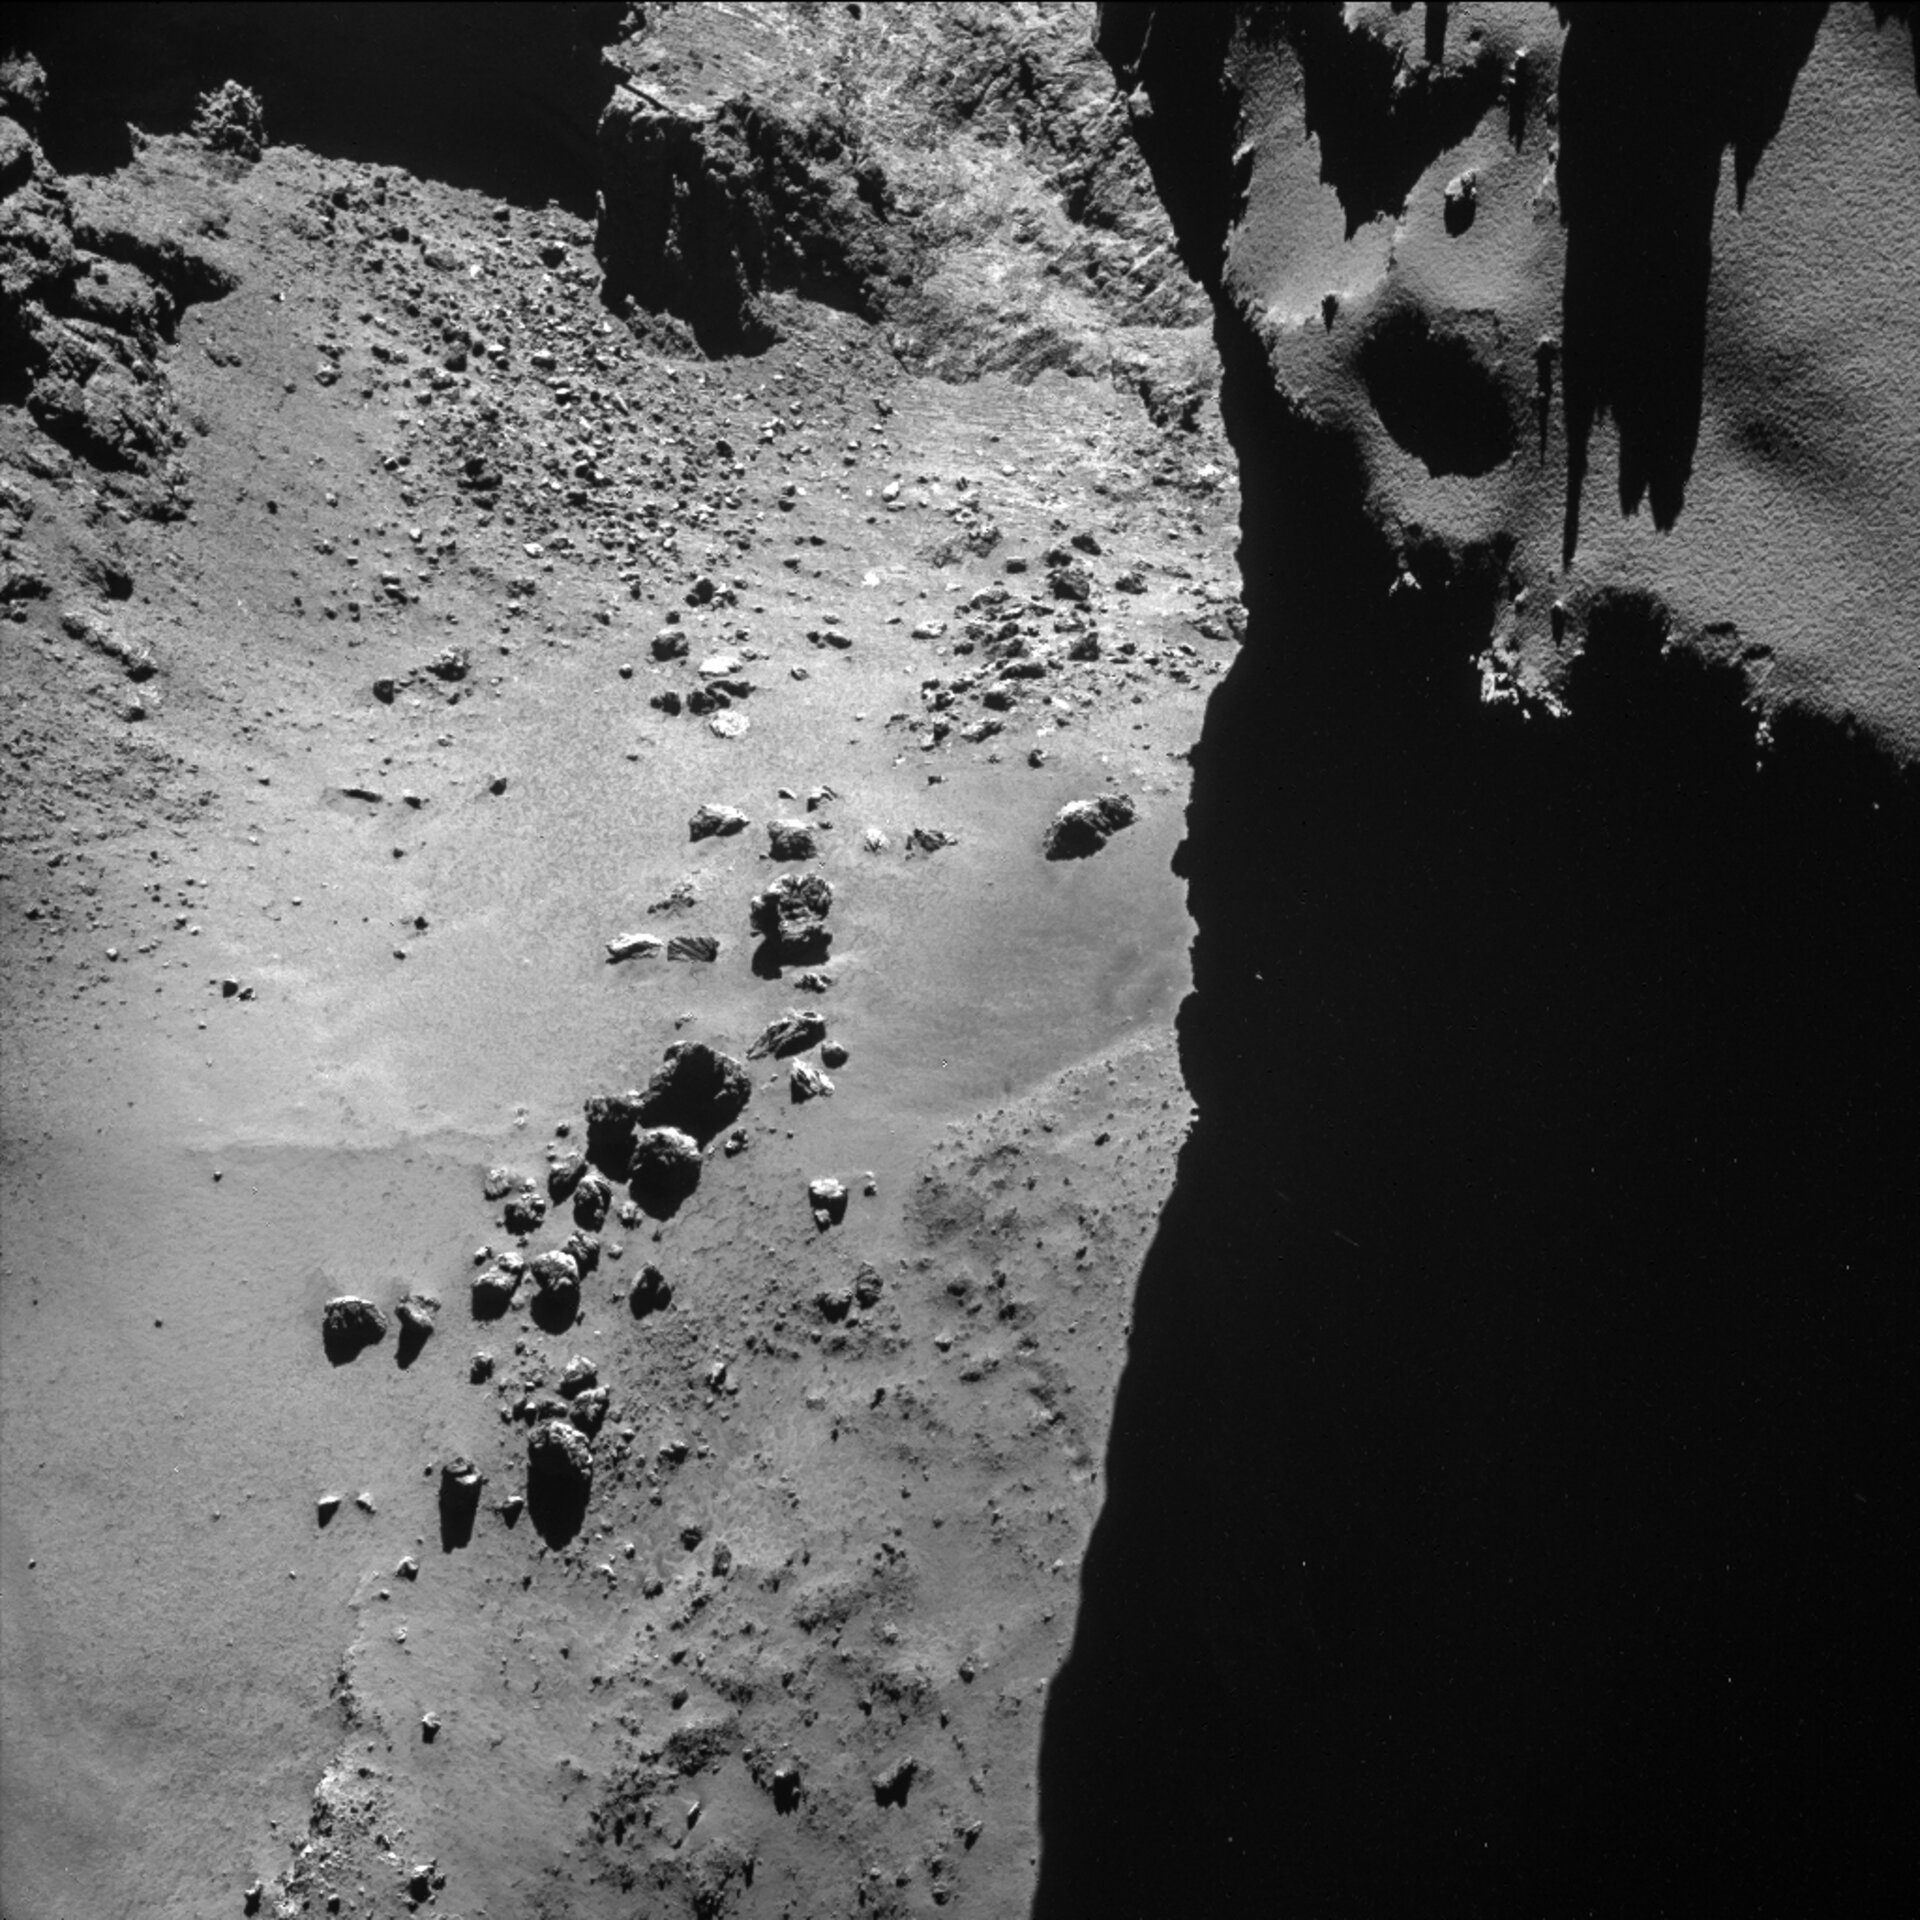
(559, 1481)
(461, 1484)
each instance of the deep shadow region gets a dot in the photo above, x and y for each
(1507, 1505)
(503, 97)
(1651, 98)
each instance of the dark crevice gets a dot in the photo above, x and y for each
(503, 98)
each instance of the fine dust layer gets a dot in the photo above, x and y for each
(416, 1494)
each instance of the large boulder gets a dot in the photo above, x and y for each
(791, 915)
(697, 1089)
(349, 1325)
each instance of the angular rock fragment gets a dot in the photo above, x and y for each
(577, 1376)
(1083, 827)
(349, 1325)
(805, 1082)
(796, 1030)
(564, 1173)
(501, 1181)
(930, 840)
(583, 1249)
(827, 1198)
(631, 946)
(710, 820)
(693, 946)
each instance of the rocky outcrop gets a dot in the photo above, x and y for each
(1537, 1270)
(961, 175)
(92, 284)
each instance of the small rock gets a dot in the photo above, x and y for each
(500, 1181)
(833, 1054)
(564, 1173)
(792, 840)
(525, 1209)
(833, 1303)
(429, 1727)
(736, 1143)
(828, 1199)
(589, 1410)
(693, 946)
(651, 1293)
(326, 1507)
(891, 1784)
(710, 819)
(728, 726)
(924, 840)
(1461, 201)
(670, 644)
(1070, 581)
(577, 1376)
(817, 797)
(874, 841)
(480, 1367)
(867, 1285)
(592, 1199)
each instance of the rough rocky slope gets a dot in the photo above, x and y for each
(421, 678)
(1513, 1441)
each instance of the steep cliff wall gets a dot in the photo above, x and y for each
(1509, 1508)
